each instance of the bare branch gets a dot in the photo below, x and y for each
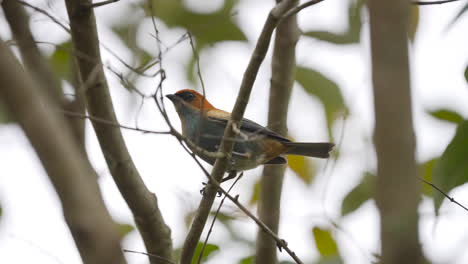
(142, 203)
(281, 243)
(110, 123)
(451, 199)
(283, 68)
(33, 60)
(221, 164)
(74, 180)
(397, 190)
(297, 9)
(42, 11)
(214, 219)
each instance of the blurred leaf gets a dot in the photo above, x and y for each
(452, 168)
(247, 260)
(361, 193)
(206, 28)
(209, 249)
(60, 61)
(303, 168)
(286, 262)
(327, 91)
(414, 21)
(466, 74)
(352, 35)
(330, 260)
(324, 242)
(256, 193)
(222, 217)
(426, 169)
(124, 229)
(447, 115)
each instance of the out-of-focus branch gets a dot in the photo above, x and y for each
(37, 65)
(143, 204)
(92, 228)
(397, 192)
(226, 146)
(32, 58)
(282, 79)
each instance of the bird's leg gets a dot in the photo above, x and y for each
(231, 175)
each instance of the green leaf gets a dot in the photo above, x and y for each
(60, 61)
(361, 193)
(426, 169)
(124, 229)
(324, 242)
(247, 260)
(222, 217)
(352, 35)
(452, 168)
(256, 193)
(327, 91)
(414, 21)
(206, 28)
(302, 167)
(447, 115)
(209, 249)
(330, 260)
(466, 74)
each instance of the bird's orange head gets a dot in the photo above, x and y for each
(190, 98)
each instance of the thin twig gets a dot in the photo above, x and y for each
(214, 218)
(103, 3)
(424, 3)
(42, 11)
(297, 9)
(443, 193)
(110, 123)
(149, 255)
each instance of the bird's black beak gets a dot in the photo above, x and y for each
(172, 97)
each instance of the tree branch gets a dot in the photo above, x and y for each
(424, 3)
(142, 203)
(32, 58)
(282, 79)
(226, 146)
(397, 192)
(74, 180)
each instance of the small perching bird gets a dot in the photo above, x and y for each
(204, 125)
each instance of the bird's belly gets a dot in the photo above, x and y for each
(245, 156)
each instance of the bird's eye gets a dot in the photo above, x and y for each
(187, 96)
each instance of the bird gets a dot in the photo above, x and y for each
(255, 145)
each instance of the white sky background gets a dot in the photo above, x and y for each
(32, 228)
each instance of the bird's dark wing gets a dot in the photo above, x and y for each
(247, 125)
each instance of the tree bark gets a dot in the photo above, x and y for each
(74, 180)
(283, 69)
(397, 187)
(143, 203)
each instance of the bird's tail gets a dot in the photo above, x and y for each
(317, 150)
